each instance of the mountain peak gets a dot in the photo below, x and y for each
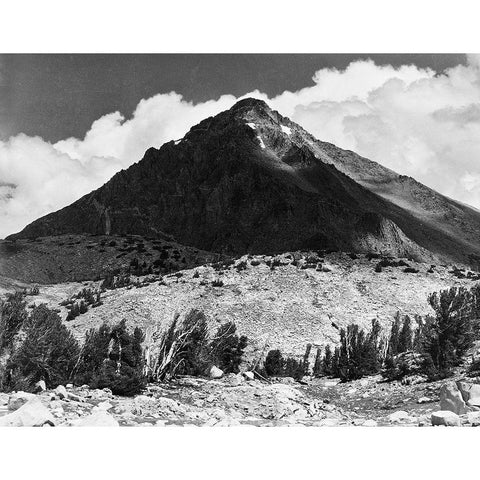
(250, 103)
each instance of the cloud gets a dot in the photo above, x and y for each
(412, 120)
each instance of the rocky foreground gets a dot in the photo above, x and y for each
(238, 400)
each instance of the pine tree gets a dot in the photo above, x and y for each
(48, 352)
(405, 336)
(274, 363)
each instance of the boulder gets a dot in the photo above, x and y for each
(424, 400)
(473, 419)
(97, 419)
(445, 418)
(61, 392)
(249, 375)
(104, 406)
(4, 399)
(470, 393)
(215, 372)
(370, 423)
(40, 386)
(451, 399)
(234, 380)
(18, 399)
(31, 414)
(398, 416)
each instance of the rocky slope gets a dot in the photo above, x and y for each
(250, 180)
(283, 302)
(73, 258)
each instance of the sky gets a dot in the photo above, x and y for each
(69, 122)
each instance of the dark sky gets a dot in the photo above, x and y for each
(58, 96)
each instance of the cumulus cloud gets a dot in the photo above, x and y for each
(412, 120)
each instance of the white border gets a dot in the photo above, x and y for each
(369, 26)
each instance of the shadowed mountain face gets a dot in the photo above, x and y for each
(250, 180)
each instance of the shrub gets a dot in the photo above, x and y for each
(12, 316)
(448, 336)
(217, 283)
(241, 266)
(184, 348)
(227, 348)
(410, 270)
(49, 351)
(112, 358)
(274, 363)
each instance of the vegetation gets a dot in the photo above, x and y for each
(431, 346)
(276, 366)
(47, 352)
(38, 346)
(112, 358)
(186, 348)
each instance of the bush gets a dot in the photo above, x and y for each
(187, 349)
(447, 337)
(274, 363)
(112, 358)
(227, 348)
(49, 351)
(12, 315)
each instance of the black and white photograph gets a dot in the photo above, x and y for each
(239, 239)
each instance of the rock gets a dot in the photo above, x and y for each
(399, 416)
(40, 386)
(331, 383)
(234, 380)
(424, 400)
(470, 393)
(227, 422)
(75, 398)
(4, 399)
(451, 399)
(69, 385)
(249, 375)
(215, 372)
(97, 419)
(31, 414)
(328, 422)
(370, 423)
(473, 419)
(446, 418)
(61, 392)
(18, 399)
(104, 406)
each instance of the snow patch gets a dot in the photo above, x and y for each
(252, 125)
(261, 141)
(286, 130)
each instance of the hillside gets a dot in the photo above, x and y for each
(251, 181)
(73, 258)
(295, 303)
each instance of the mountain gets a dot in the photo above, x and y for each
(251, 181)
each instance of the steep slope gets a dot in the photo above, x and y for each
(250, 180)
